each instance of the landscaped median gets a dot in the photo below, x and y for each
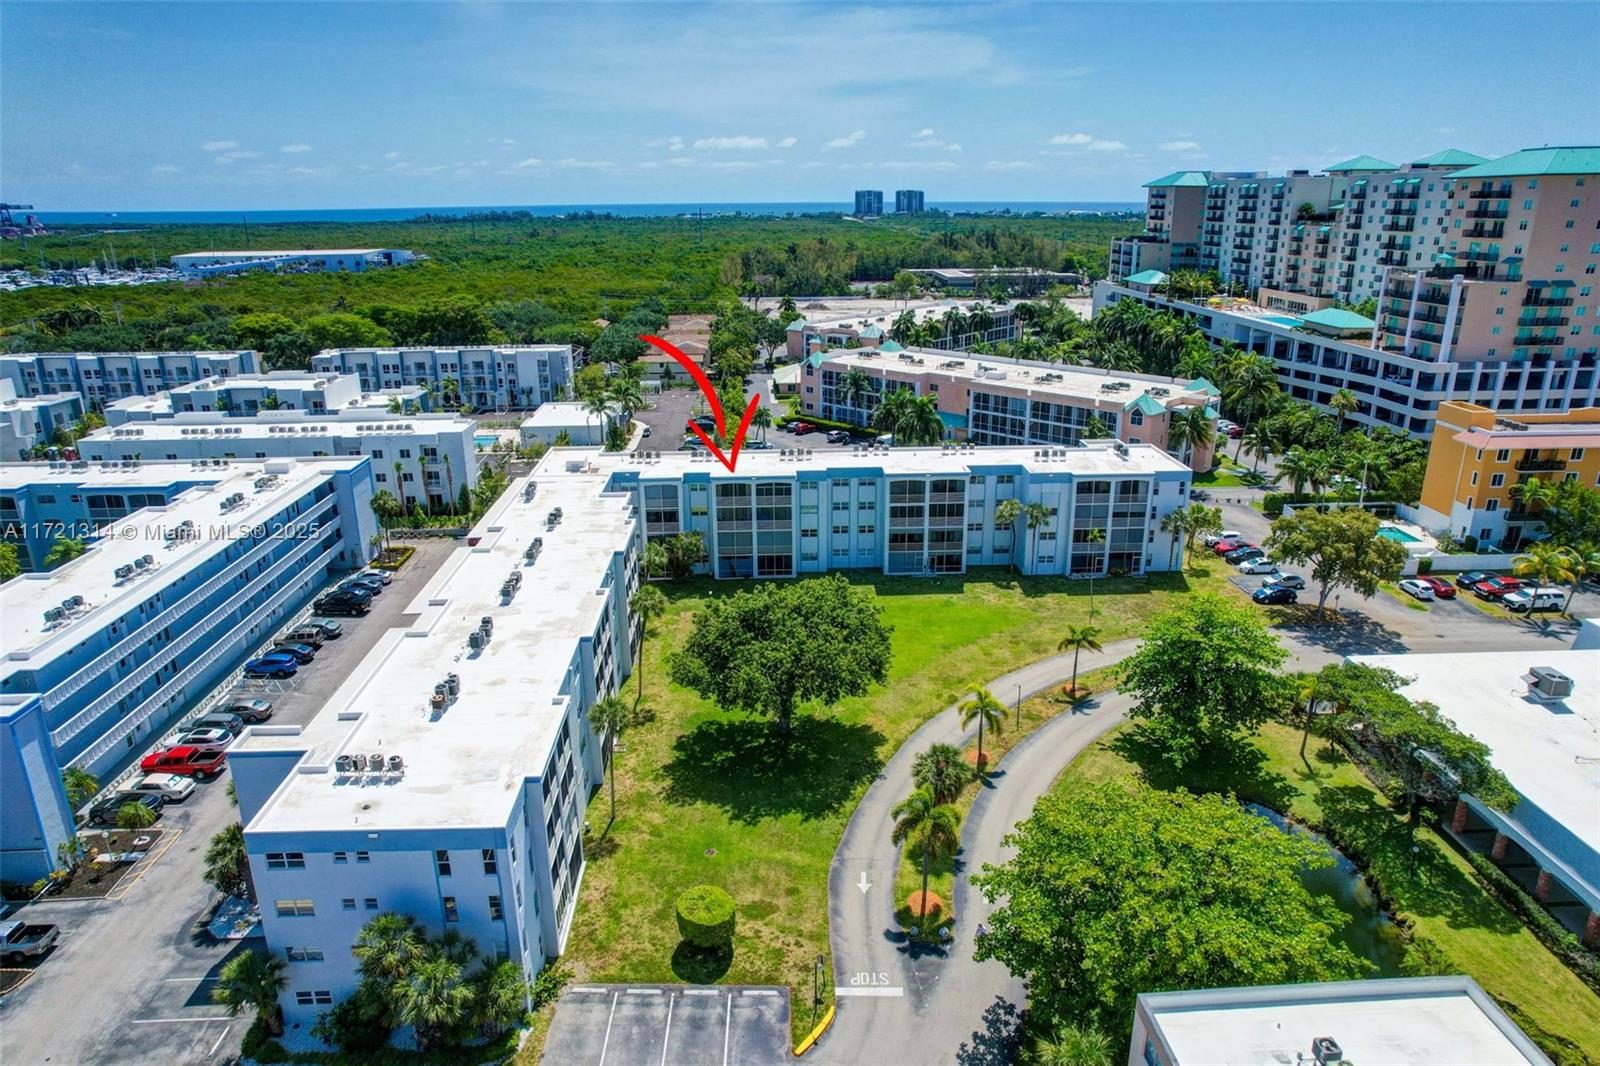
(708, 797)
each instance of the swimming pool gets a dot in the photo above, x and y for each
(484, 440)
(1281, 320)
(1396, 533)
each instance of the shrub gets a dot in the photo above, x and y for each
(1424, 566)
(259, 1045)
(1469, 544)
(1555, 936)
(135, 815)
(549, 982)
(1272, 503)
(705, 917)
(359, 1023)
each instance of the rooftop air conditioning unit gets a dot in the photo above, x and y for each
(52, 615)
(1548, 683)
(376, 763)
(357, 762)
(72, 603)
(1325, 1051)
(123, 572)
(344, 764)
(477, 639)
(396, 764)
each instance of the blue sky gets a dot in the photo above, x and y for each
(134, 106)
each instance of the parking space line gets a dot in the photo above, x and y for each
(609, 1019)
(171, 1021)
(644, 991)
(757, 992)
(191, 980)
(225, 1031)
(702, 992)
(120, 890)
(666, 1037)
(727, 1030)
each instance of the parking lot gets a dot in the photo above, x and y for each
(692, 1025)
(129, 980)
(674, 407)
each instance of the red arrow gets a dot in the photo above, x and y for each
(714, 400)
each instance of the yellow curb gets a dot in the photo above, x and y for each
(822, 1027)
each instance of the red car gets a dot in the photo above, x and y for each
(1496, 587)
(185, 760)
(800, 429)
(1442, 589)
(1223, 547)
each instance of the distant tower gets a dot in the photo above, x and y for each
(869, 202)
(908, 202)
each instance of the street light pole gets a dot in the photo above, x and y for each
(816, 990)
(1019, 706)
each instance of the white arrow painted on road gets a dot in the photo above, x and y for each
(863, 884)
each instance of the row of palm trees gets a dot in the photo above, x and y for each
(905, 329)
(1544, 563)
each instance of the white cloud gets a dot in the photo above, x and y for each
(295, 149)
(1180, 146)
(218, 146)
(900, 164)
(505, 141)
(391, 155)
(234, 155)
(164, 170)
(586, 164)
(925, 132)
(671, 144)
(787, 142)
(849, 140)
(926, 139)
(524, 164)
(1087, 142)
(1010, 164)
(738, 142)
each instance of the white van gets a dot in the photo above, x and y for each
(1545, 599)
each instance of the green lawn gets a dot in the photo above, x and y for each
(1438, 896)
(705, 796)
(1227, 475)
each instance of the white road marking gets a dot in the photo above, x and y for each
(195, 1018)
(757, 992)
(727, 1030)
(666, 1037)
(890, 991)
(220, 1039)
(701, 992)
(609, 1019)
(588, 989)
(644, 991)
(189, 980)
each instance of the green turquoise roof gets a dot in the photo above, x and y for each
(798, 323)
(815, 359)
(1337, 318)
(890, 346)
(1181, 179)
(872, 332)
(1145, 404)
(1361, 162)
(1450, 157)
(1577, 159)
(1202, 385)
(1146, 277)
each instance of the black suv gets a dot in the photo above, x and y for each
(344, 603)
(105, 812)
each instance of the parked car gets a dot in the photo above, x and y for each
(1496, 587)
(1258, 566)
(304, 635)
(169, 788)
(107, 811)
(186, 761)
(1211, 539)
(1244, 555)
(331, 630)
(1418, 589)
(372, 584)
(345, 604)
(1223, 547)
(247, 710)
(1472, 577)
(705, 422)
(1442, 589)
(757, 445)
(271, 666)
(1535, 599)
(800, 429)
(1234, 432)
(211, 738)
(19, 941)
(223, 719)
(1288, 581)
(382, 575)
(838, 436)
(300, 653)
(1274, 594)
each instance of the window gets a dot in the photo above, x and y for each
(496, 911)
(315, 998)
(1497, 480)
(491, 861)
(341, 856)
(296, 908)
(1474, 480)
(1503, 455)
(303, 954)
(349, 903)
(441, 862)
(451, 914)
(363, 856)
(1577, 453)
(1491, 506)
(370, 902)
(286, 860)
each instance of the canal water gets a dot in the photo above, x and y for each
(1369, 932)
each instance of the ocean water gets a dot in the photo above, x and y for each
(400, 214)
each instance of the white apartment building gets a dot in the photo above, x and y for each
(102, 377)
(582, 428)
(872, 329)
(189, 566)
(436, 453)
(447, 776)
(29, 421)
(317, 260)
(1330, 1023)
(487, 377)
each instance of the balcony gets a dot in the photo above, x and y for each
(1502, 193)
(1392, 259)
(1396, 244)
(1246, 218)
(1400, 225)
(1490, 230)
(1530, 340)
(1533, 463)
(1407, 193)
(1215, 216)
(1242, 246)
(1487, 212)
(1527, 320)
(1533, 299)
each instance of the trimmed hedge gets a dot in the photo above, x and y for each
(1551, 933)
(827, 424)
(706, 916)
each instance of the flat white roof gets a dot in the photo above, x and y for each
(1078, 382)
(1550, 751)
(352, 422)
(557, 414)
(23, 600)
(464, 766)
(48, 399)
(398, 350)
(884, 317)
(1426, 1020)
(281, 379)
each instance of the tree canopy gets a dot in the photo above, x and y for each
(1341, 546)
(1115, 892)
(774, 647)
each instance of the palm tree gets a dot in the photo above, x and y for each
(1254, 386)
(1036, 514)
(648, 603)
(892, 409)
(1187, 430)
(387, 508)
(253, 979)
(453, 947)
(388, 946)
(1094, 536)
(1533, 493)
(434, 999)
(935, 826)
(79, 784)
(135, 815)
(1546, 564)
(1078, 638)
(1342, 403)
(450, 391)
(920, 424)
(904, 327)
(1007, 513)
(227, 865)
(1584, 561)
(610, 715)
(500, 997)
(655, 559)
(762, 420)
(1296, 465)
(984, 709)
(1257, 440)
(980, 321)
(1073, 1045)
(627, 393)
(1095, 429)
(596, 403)
(399, 483)
(941, 771)
(1175, 524)
(855, 387)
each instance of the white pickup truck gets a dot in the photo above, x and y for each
(21, 941)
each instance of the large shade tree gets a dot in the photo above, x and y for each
(1341, 546)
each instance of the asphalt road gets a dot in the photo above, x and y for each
(653, 1025)
(130, 981)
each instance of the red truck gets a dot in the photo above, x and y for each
(185, 760)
